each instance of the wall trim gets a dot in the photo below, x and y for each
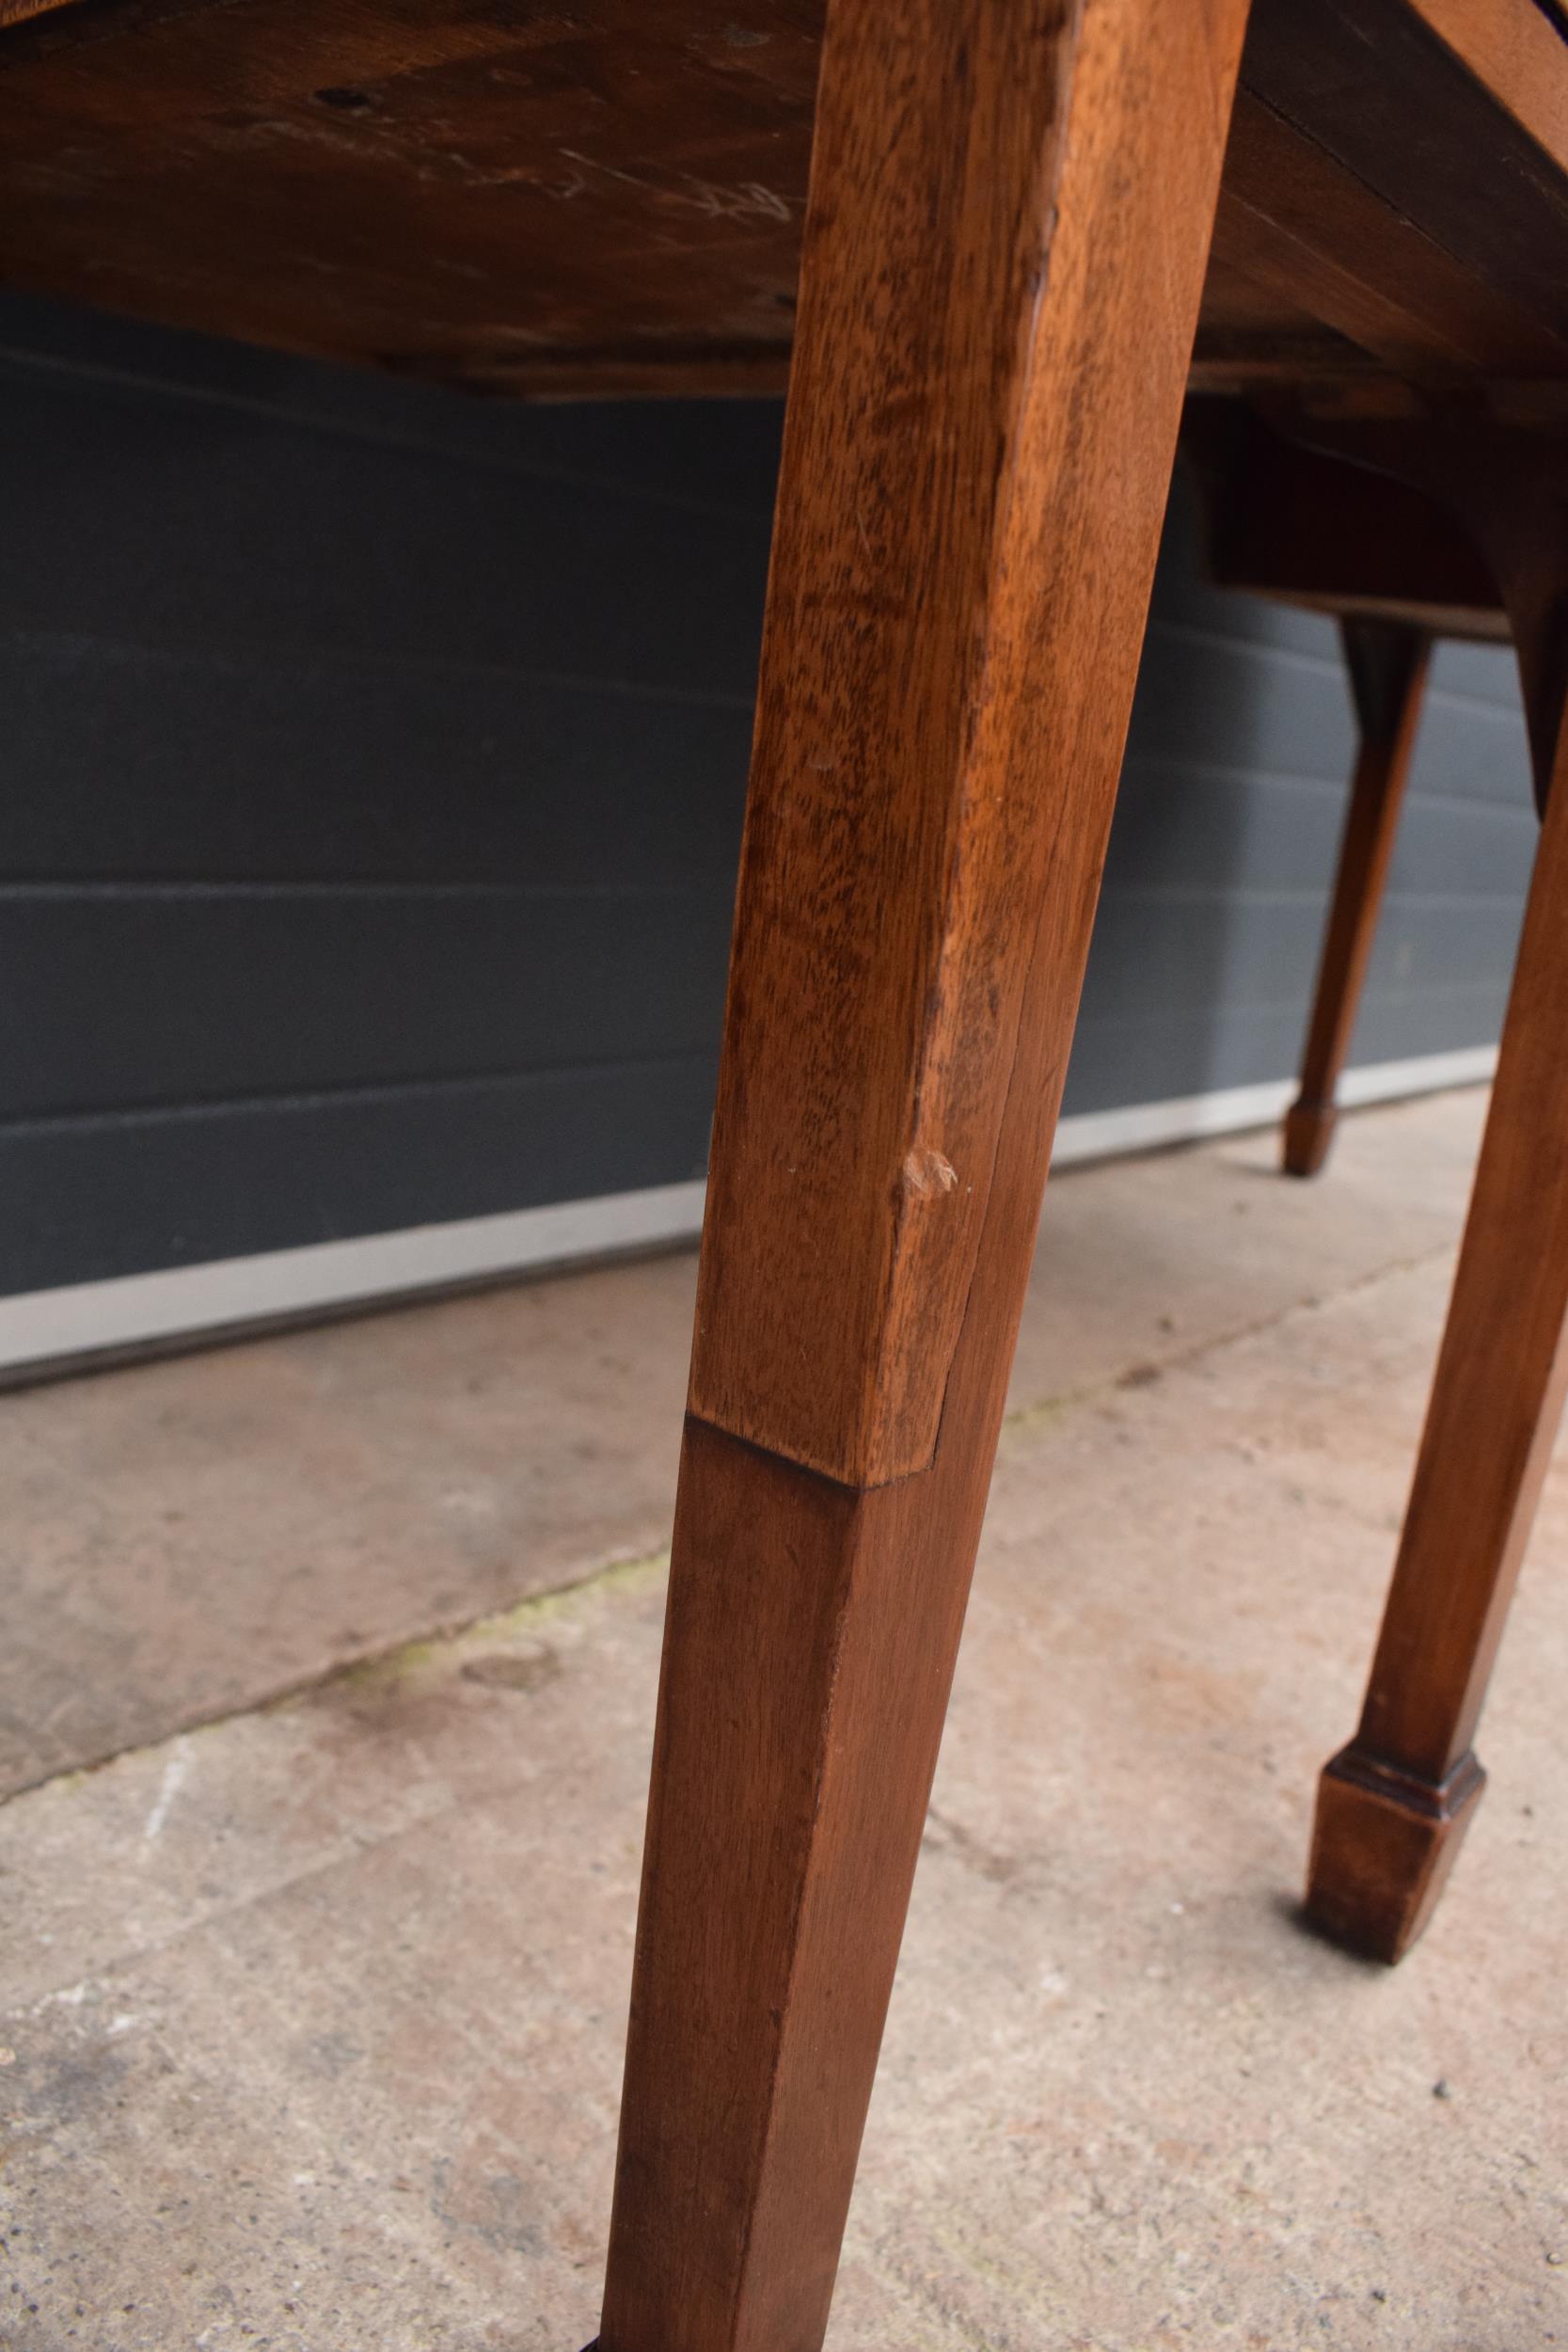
(42, 1329)
(1230, 1110)
(45, 1330)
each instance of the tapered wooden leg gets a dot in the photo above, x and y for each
(1009, 212)
(1388, 665)
(1393, 1806)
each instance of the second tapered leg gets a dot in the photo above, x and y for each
(1388, 665)
(1393, 1805)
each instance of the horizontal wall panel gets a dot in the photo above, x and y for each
(1471, 749)
(227, 527)
(705, 454)
(375, 762)
(1223, 830)
(170, 998)
(1210, 828)
(90, 1198)
(1480, 673)
(1395, 1023)
(152, 762)
(1426, 949)
(1163, 955)
(1464, 849)
(1240, 703)
(1160, 1056)
(1212, 819)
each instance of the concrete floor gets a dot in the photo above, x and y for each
(311, 2005)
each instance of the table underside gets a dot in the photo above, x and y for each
(607, 197)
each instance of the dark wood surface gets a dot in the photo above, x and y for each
(892, 867)
(611, 198)
(1496, 461)
(502, 195)
(1003, 265)
(1308, 527)
(1449, 113)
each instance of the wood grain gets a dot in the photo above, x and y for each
(545, 203)
(937, 770)
(1516, 53)
(1294, 220)
(502, 196)
(1004, 256)
(1399, 96)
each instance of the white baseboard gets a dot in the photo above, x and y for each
(1230, 1110)
(42, 1329)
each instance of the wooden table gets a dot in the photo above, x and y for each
(998, 287)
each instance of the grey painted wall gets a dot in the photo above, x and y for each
(375, 765)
